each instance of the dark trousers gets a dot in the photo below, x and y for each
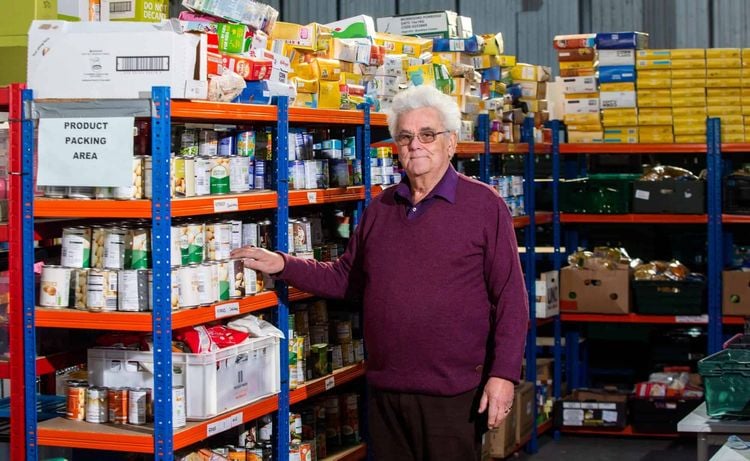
(415, 427)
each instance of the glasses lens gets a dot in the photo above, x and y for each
(427, 136)
(404, 139)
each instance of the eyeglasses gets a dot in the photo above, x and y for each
(425, 137)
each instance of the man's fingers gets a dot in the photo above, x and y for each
(483, 403)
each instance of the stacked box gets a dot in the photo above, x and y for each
(724, 89)
(745, 91)
(531, 88)
(689, 95)
(617, 88)
(654, 96)
(578, 67)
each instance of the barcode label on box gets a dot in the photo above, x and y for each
(142, 63)
(121, 7)
(642, 194)
(226, 204)
(224, 424)
(227, 310)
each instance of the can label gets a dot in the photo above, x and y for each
(218, 241)
(78, 281)
(54, 290)
(208, 143)
(190, 286)
(219, 175)
(117, 242)
(253, 283)
(55, 191)
(140, 254)
(236, 240)
(81, 193)
(101, 290)
(148, 177)
(179, 414)
(259, 174)
(175, 243)
(246, 144)
(133, 290)
(76, 400)
(97, 408)
(189, 142)
(196, 238)
(135, 189)
(202, 176)
(137, 406)
(250, 234)
(239, 174)
(175, 288)
(205, 285)
(76, 247)
(236, 278)
(296, 174)
(118, 405)
(184, 177)
(103, 193)
(227, 146)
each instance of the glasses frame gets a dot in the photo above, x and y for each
(410, 137)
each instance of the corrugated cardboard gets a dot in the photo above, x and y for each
(501, 441)
(524, 404)
(735, 299)
(605, 291)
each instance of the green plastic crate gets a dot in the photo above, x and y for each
(726, 375)
(666, 297)
(599, 193)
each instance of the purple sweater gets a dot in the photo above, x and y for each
(434, 288)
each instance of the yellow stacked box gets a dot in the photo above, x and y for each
(745, 90)
(688, 94)
(653, 83)
(724, 91)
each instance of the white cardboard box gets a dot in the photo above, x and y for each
(547, 295)
(616, 57)
(115, 60)
(442, 24)
(617, 99)
(579, 84)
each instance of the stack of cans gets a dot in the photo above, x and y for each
(510, 189)
(383, 169)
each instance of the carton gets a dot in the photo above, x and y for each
(578, 84)
(547, 295)
(735, 298)
(129, 59)
(524, 405)
(592, 408)
(439, 24)
(134, 10)
(604, 291)
(617, 57)
(501, 441)
(361, 26)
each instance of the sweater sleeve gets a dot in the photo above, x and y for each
(507, 294)
(338, 280)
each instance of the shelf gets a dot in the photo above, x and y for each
(645, 148)
(3, 232)
(335, 117)
(635, 318)
(735, 219)
(320, 385)
(627, 431)
(213, 111)
(261, 200)
(735, 148)
(542, 217)
(544, 321)
(322, 196)
(298, 295)
(141, 321)
(733, 320)
(61, 432)
(48, 364)
(634, 218)
(355, 453)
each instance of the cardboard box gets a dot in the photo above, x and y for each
(573, 41)
(688, 83)
(501, 441)
(524, 404)
(533, 90)
(17, 15)
(688, 101)
(689, 53)
(678, 112)
(577, 54)
(723, 72)
(621, 135)
(688, 64)
(397, 44)
(439, 24)
(658, 73)
(585, 137)
(591, 118)
(617, 86)
(616, 57)
(621, 40)
(616, 99)
(653, 64)
(530, 72)
(653, 54)
(723, 53)
(620, 117)
(312, 36)
(547, 295)
(583, 72)
(648, 99)
(578, 84)
(655, 133)
(616, 74)
(77, 10)
(735, 298)
(690, 138)
(658, 116)
(595, 291)
(689, 73)
(134, 10)
(129, 59)
(361, 26)
(689, 126)
(592, 408)
(732, 82)
(715, 110)
(249, 68)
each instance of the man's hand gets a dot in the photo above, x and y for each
(497, 399)
(259, 259)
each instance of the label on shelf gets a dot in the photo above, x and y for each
(691, 318)
(227, 310)
(312, 197)
(642, 194)
(330, 383)
(224, 424)
(222, 205)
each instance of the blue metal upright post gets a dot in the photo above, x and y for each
(366, 135)
(161, 218)
(281, 447)
(556, 259)
(715, 246)
(483, 130)
(29, 327)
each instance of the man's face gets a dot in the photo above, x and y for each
(421, 157)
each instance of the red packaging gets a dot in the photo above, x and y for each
(249, 68)
(377, 55)
(577, 54)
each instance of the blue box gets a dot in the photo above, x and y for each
(616, 74)
(464, 45)
(492, 74)
(622, 40)
(255, 92)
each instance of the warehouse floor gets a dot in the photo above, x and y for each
(578, 448)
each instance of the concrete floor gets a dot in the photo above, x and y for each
(589, 448)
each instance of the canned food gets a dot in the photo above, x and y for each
(75, 407)
(80, 192)
(208, 143)
(219, 176)
(259, 176)
(117, 245)
(78, 281)
(347, 354)
(175, 242)
(337, 360)
(206, 284)
(253, 283)
(349, 418)
(97, 246)
(236, 278)
(246, 144)
(296, 174)
(295, 426)
(55, 191)
(224, 286)
(227, 146)
(202, 176)
(118, 405)
(239, 174)
(134, 191)
(133, 290)
(179, 418)
(265, 234)
(184, 174)
(196, 238)
(76, 247)
(175, 288)
(97, 408)
(101, 290)
(148, 177)
(359, 350)
(236, 233)
(189, 142)
(250, 234)
(190, 286)
(137, 405)
(54, 290)
(344, 332)
(103, 193)
(218, 241)
(140, 254)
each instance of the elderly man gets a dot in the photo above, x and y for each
(435, 263)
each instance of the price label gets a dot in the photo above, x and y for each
(312, 197)
(691, 318)
(330, 383)
(224, 424)
(227, 310)
(226, 204)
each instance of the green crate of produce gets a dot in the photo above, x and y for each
(667, 297)
(599, 194)
(726, 375)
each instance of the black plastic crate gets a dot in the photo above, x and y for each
(669, 196)
(599, 193)
(666, 297)
(737, 194)
(659, 416)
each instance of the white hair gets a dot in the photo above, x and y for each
(418, 97)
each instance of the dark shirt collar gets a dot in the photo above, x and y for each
(445, 188)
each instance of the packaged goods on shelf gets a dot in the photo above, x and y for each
(617, 86)
(616, 57)
(440, 24)
(577, 54)
(547, 295)
(574, 41)
(621, 40)
(361, 26)
(735, 292)
(616, 99)
(626, 135)
(255, 14)
(669, 190)
(653, 55)
(668, 288)
(592, 408)
(620, 117)
(653, 64)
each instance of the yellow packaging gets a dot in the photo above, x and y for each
(658, 74)
(690, 125)
(745, 82)
(688, 53)
(479, 62)
(733, 137)
(574, 64)
(730, 120)
(656, 93)
(724, 82)
(647, 100)
(330, 95)
(621, 131)
(581, 95)
(724, 92)
(350, 78)
(655, 117)
(651, 55)
(747, 120)
(688, 63)
(619, 117)
(399, 44)
(619, 86)
(715, 111)
(688, 92)
(505, 60)
(723, 53)
(306, 85)
(689, 73)
(732, 129)
(679, 112)
(326, 69)
(723, 72)
(745, 56)
(582, 119)
(653, 64)
(657, 134)
(628, 135)
(583, 72)
(689, 83)
(533, 73)
(690, 139)
(303, 70)
(585, 137)
(745, 72)
(723, 63)
(306, 100)
(642, 83)
(312, 36)
(688, 101)
(422, 75)
(746, 111)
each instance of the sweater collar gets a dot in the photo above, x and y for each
(445, 188)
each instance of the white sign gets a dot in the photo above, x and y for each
(312, 197)
(226, 204)
(329, 383)
(86, 152)
(227, 310)
(224, 424)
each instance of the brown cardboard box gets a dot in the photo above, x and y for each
(735, 297)
(605, 291)
(592, 408)
(524, 405)
(501, 441)
(544, 369)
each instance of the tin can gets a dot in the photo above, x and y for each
(356, 172)
(516, 185)
(137, 405)
(189, 142)
(134, 191)
(140, 254)
(225, 285)
(239, 174)
(190, 286)
(184, 177)
(208, 143)
(175, 288)
(311, 174)
(54, 290)
(202, 172)
(179, 414)
(133, 290)
(359, 350)
(246, 144)
(259, 176)
(175, 244)
(227, 145)
(250, 234)
(117, 401)
(103, 193)
(78, 281)
(265, 234)
(209, 274)
(75, 408)
(337, 359)
(295, 426)
(55, 191)
(236, 278)
(347, 354)
(251, 174)
(196, 241)
(236, 239)
(117, 245)
(97, 246)
(253, 283)
(97, 409)
(319, 314)
(300, 238)
(76, 247)
(148, 177)
(101, 290)
(349, 408)
(219, 176)
(350, 147)
(218, 241)
(344, 332)
(80, 192)
(333, 422)
(296, 174)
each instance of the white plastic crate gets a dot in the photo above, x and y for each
(214, 382)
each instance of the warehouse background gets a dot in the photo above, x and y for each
(528, 26)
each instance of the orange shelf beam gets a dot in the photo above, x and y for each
(733, 320)
(735, 219)
(328, 116)
(645, 148)
(634, 218)
(320, 385)
(61, 208)
(543, 217)
(222, 111)
(61, 432)
(735, 148)
(261, 200)
(635, 318)
(321, 196)
(355, 453)
(627, 431)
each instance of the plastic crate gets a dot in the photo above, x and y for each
(605, 193)
(736, 194)
(214, 382)
(725, 377)
(666, 297)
